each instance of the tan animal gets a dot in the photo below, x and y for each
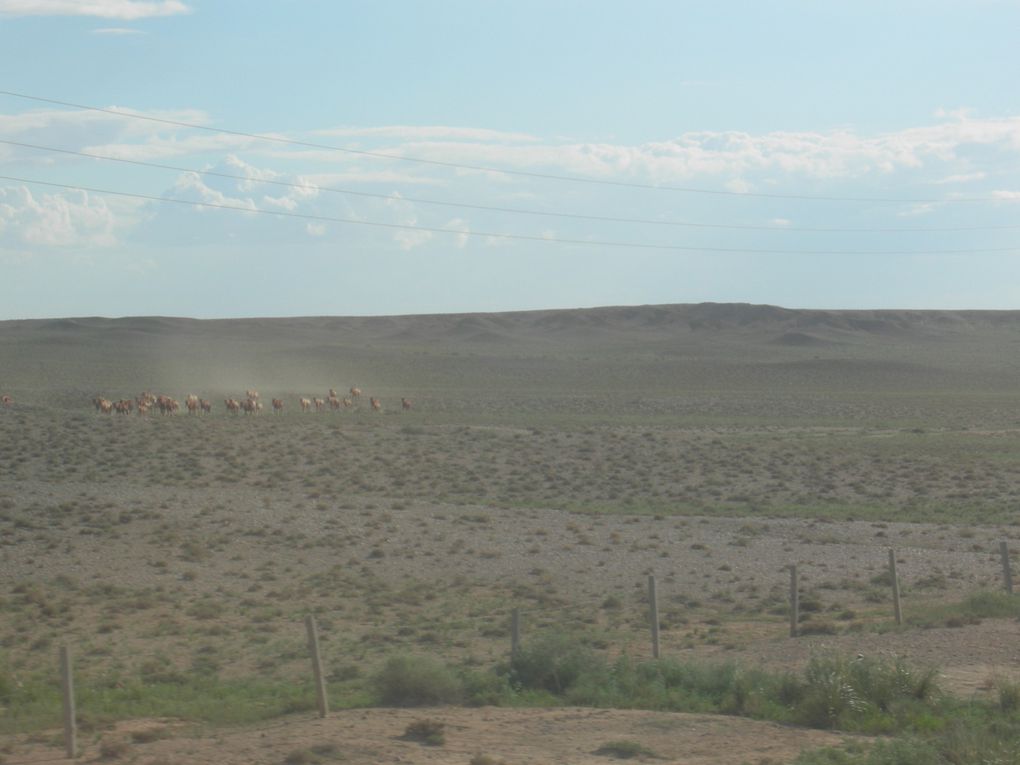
(319, 404)
(334, 403)
(277, 404)
(233, 405)
(252, 394)
(250, 406)
(306, 404)
(191, 402)
(405, 404)
(355, 392)
(6, 400)
(376, 404)
(206, 406)
(347, 403)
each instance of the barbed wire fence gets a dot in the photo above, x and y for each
(517, 620)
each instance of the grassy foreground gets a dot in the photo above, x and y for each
(916, 721)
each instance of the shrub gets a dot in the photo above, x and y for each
(431, 732)
(553, 662)
(624, 750)
(408, 681)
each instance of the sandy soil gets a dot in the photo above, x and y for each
(510, 736)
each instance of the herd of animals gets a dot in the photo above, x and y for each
(249, 404)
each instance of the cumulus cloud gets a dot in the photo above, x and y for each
(242, 190)
(61, 220)
(407, 239)
(127, 10)
(463, 228)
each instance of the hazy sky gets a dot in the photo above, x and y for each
(868, 154)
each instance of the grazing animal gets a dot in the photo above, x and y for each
(347, 403)
(206, 406)
(405, 404)
(319, 404)
(6, 400)
(277, 404)
(306, 404)
(376, 404)
(191, 402)
(355, 392)
(252, 394)
(332, 393)
(251, 406)
(233, 405)
(167, 405)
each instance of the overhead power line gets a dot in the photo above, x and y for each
(500, 235)
(511, 210)
(484, 168)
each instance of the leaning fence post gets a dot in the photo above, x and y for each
(515, 632)
(895, 586)
(67, 688)
(1007, 572)
(653, 601)
(794, 601)
(313, 649)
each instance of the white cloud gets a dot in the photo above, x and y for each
(61, 220)
(234, 192)
(407, 239)
(191, 187)
(107, 9)
(428, 132)
(315, 229)
(1007, 196)
(460, 225)
(918, 209)
(961, 178)
(117, 31)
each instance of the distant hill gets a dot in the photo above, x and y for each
(702, 345)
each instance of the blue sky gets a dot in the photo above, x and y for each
(896, 123)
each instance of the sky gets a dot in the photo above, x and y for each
(372, 157)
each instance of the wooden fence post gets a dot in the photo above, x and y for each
(1007, 571)
(313, 649)
(794, 602)
(515, 633)
(895, 586)
(653, 601)
(67, 689)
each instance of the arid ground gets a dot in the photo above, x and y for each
(551, 462)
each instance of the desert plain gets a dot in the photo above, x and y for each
(550, 462)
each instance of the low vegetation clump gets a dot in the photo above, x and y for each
(407, 681)
(971, 610)
(429, 732)
(625, 750)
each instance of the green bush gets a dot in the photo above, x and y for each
(553, 662)
(411, 681)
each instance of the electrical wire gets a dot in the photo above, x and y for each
(512, 210)
(484, 168)
(501, 235)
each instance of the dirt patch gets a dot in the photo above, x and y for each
(511, 736)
